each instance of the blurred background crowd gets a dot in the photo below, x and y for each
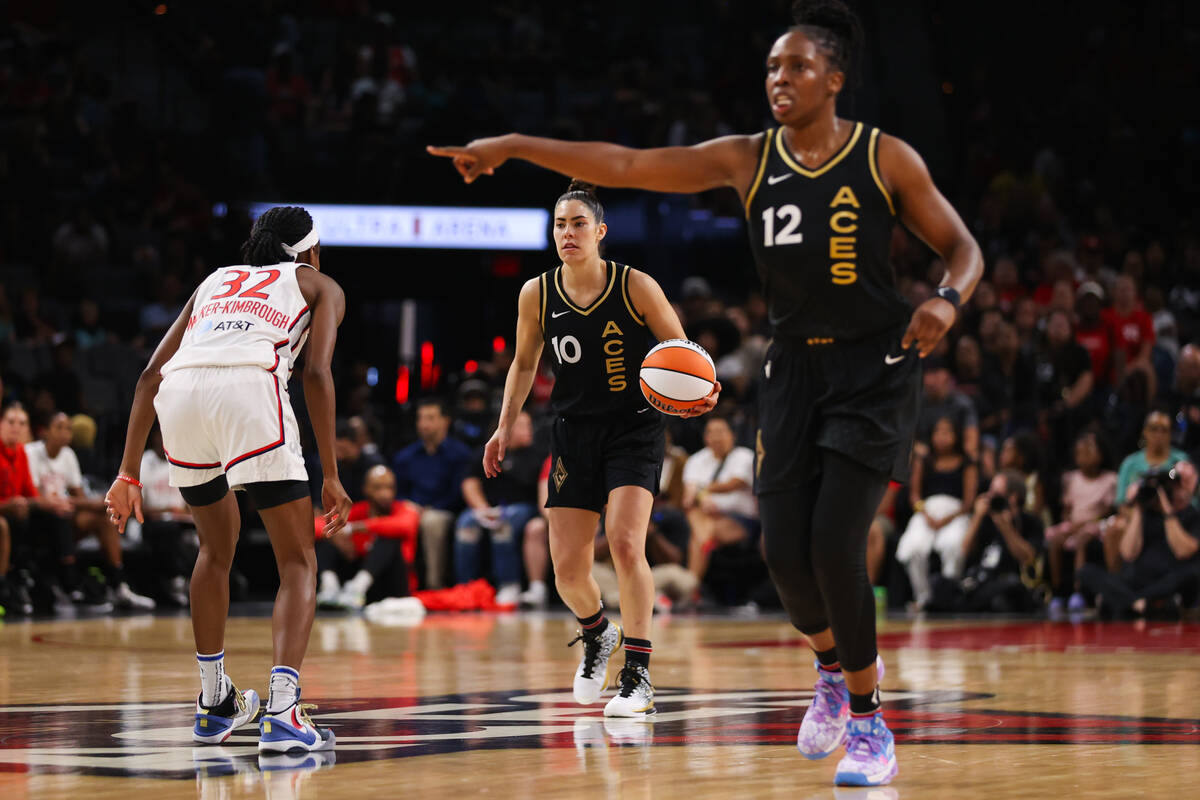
(1061, 415)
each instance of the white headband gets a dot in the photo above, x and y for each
(306, 243)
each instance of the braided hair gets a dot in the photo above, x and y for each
(586, 194)
(270, 231)
(835, 29)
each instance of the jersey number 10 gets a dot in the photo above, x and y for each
(568, 351)
(788, 234)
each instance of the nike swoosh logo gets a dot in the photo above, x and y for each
(558, 314)
(643, 411)
(889, 360)
(774, 179)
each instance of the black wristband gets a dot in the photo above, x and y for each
(951, 295)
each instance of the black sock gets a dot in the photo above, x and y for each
(828, 659)
(114, 576)
(68, 575)
(594, 625)
(637, 651)
(862, 705)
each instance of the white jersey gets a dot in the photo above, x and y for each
(53, 477)
(246, 316)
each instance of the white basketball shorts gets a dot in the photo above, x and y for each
(232, 420)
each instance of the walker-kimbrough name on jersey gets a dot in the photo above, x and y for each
(268, 314)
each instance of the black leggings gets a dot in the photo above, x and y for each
(816, 543)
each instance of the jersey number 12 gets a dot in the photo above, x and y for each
(788, 234)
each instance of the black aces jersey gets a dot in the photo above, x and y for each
(821, 239)
(596, 351)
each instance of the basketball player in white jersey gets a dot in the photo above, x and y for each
(218, 382)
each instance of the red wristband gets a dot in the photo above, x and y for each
(129, 479)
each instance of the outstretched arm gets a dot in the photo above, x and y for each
(726, 161)
(928, 214)
(124, 499)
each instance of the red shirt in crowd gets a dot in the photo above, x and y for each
(15, 478)
(1098, 343)
(402, 523)
(1129, 332)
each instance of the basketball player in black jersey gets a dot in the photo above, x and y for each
(841, 379)
(595, 319)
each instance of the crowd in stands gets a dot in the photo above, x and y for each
(1061, 418)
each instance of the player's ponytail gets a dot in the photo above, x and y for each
(585, 193)
(835, 28)
(270, 233)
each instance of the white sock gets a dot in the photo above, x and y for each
(212, 678)
(360, 583)
(537, 586)
(285, 686)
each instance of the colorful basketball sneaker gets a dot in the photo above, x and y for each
(592, 676)
(292, 729)
(635, 694)
(214, 725)
(824, 727)
(870, 758)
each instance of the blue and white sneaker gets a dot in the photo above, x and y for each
(292, 729)
(214, 725)
(870, 758)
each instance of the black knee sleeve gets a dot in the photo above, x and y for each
(205, 494)
(268, 494)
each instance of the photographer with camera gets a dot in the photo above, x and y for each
(1001, 549)
(1158, 545)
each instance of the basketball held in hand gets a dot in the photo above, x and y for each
(676, 376)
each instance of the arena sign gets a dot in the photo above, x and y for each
(130, 739)
(426, 226)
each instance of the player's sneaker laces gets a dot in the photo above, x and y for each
(870, 758)
(635, 694)
(592, 676)
(292, 729)
(214, 725)
(824, 727)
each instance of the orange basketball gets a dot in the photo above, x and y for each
(676, 376)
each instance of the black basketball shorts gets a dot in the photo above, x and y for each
(592, 455)
(858, 398)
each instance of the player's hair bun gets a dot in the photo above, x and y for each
(842, 35)
(577, 185)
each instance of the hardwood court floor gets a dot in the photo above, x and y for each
(461, 706)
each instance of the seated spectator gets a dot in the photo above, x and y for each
(429, 472)
(535, 546)
(1092, 334)
(1158, 546)
(1023, 454)
(1157, 455)
(38, 526)
(168, 521)
(1088, 494)
(56, 474)
(1131, 331)
(674, 584)
(1064, 384)
(377, 546)
(718, 495)
(1000, 544)
(1183, 400)
(1008, 383)
(942, 399)
(354, 458)
(502, 505)
(942, 489)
